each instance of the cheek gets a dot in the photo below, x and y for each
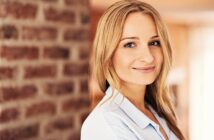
(158, 56)
(160, 59)
(121, 60)
(118, 62)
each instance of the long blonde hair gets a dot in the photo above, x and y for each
(108, 34)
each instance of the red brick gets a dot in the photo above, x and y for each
(77, 2)
(20, 133)
(71, 2)
(75, 69)
(74, 136)
(9, 114)
(83, 53)
(50, 1)
(41, 108)
(7, 72)
(76, 35)
(18, 10)
(85, 17)
(84, 86)
(39, 33)
(60, 88)
(42, 71)
(17, 92)
(75, 104)
(3, 11)
(56, 52)
(83, 117)
(8, 32)
(53, 138)
(52, 14)
(60, 124)
(19, 52)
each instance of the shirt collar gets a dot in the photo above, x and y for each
(132, 111)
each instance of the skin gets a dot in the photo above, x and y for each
(138, 60)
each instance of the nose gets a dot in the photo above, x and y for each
(145, 55)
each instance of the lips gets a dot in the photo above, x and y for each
(145, 69)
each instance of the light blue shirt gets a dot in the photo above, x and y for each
(116, 118)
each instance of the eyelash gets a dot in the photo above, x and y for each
(127, 45)
(152, 43)
(155, 41)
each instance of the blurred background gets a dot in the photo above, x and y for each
(44, 56)
(44, 48)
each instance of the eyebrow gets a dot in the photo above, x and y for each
(155, 36)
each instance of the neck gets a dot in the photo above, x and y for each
(135, 93)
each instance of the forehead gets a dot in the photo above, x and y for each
(139, 24)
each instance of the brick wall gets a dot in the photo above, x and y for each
(43, 68)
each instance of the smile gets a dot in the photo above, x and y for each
(145, 69)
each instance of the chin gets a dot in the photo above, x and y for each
(144, 82)
(138, 81)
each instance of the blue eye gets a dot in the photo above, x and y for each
(129, 45)
(154, 43)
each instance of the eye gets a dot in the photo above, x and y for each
(154, 43)
(129, 45)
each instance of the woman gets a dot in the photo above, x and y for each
(131, 58)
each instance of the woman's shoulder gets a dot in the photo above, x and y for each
(96, 125)
(106, 121)
(107, 108)
(102, 112)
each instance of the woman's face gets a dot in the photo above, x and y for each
(138, 57)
